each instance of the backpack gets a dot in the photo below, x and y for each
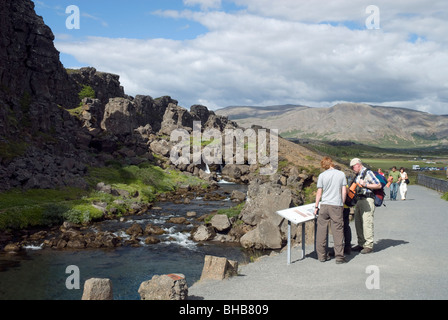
(352, 192)
(379, 193)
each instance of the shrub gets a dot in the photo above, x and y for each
(86, 92)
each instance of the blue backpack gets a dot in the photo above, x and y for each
(380, 194)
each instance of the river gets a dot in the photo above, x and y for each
(40, 274)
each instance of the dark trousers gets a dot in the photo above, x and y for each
(347, 230)
(335, 215)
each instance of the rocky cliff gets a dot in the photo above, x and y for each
(51, 130)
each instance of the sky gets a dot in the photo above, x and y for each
(221, 53)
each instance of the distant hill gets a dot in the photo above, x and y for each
(372, 125)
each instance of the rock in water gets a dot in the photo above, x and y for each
(97, 289)
(164, 287)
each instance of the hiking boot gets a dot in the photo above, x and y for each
(326, 258)
(366, 250)
(357, 248)
(341, 261)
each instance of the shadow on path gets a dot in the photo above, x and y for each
(383, 244)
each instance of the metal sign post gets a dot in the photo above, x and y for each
(298, 216)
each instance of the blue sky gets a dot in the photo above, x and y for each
(116, 19)
(263, 52)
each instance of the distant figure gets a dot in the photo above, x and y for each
(332, 189)
(447, 172)
(380, 172)
(403, 184)
(365, 207)
(394, 185)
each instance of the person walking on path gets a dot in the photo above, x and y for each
(403, 184)
(394, 185)
(332, 190)
(365, 207)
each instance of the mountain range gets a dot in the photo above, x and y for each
(362, 123)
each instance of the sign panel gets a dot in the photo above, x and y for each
(299, 214)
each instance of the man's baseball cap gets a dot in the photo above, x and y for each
(355, 161)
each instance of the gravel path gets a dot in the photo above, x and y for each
(410, 261)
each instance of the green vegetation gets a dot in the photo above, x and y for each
(12, 149)
(229, 212)
(310, 193)
(76, 112)
(86, 92)
(233, 211)
(37, 207)
(445, 196)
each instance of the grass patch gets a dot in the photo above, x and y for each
(233, 211)
(445, 196)
(229, 212)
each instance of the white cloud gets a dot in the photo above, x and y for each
(278, 52)
(204, 4)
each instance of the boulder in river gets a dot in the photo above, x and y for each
(97, 289)
(164, 287)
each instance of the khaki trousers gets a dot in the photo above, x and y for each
(364, 211)
(333, 214)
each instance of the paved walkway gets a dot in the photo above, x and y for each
(410, 256)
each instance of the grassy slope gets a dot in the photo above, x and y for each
(38, 207)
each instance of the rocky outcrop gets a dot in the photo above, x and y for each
(48, 137)
(29, 62)
(257, 225)
(105, 85)
(267, 230)
(176, 117)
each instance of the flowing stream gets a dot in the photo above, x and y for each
(40, 274)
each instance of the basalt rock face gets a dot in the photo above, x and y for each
(36, 132)
(50, 134)
(32, 79)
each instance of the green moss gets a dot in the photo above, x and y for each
(12, 149)
(76, 112)
(86, 92)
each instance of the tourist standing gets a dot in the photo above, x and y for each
(365, 207)
(403, 184)
(331, 193)
(394, 184)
